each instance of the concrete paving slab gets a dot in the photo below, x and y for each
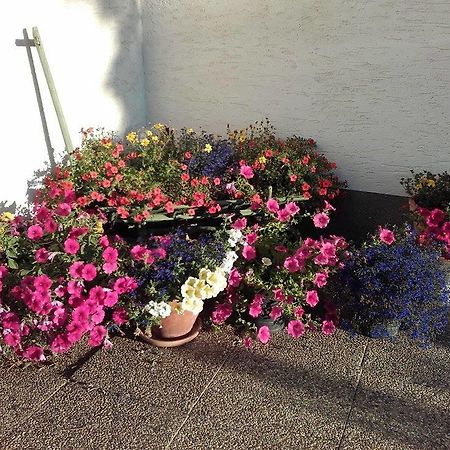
(133, 396)
(21, 393)
(403, 400)
(291, 394)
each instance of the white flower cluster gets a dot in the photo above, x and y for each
(158, 309)
(228, 262)
(207, 285)
(235, 237)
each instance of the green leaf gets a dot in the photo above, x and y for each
(12, 264)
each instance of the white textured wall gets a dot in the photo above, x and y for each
(370, 80)
(94, 48)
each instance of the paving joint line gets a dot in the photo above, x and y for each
(350, 410)
(194, 404)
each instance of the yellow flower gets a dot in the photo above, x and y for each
(190, 130)
(7, 217)
(149, 133)
(132, 137)
(98, 227)
(262, 159)
(145, 142)
(159, 126)
(208, 148)
(431, 183)
(155, 138)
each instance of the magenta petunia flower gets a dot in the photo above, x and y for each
(221, 313)
(296, 328)
(249, 252)
(96, 336)
(110, 255)
(71, 246)
(42, 283)
(110, 267)
(120, 316)
(278, 295)
(41, 256)
(60, 344)
(320, 279)
(35, 232)
(50, 226)
(328, 327)
(111, 298)
(291, 264)
(272, 205)
(34, 353)
(251, 238)
(312, 298)
(292, 208)
(97, 294)
(321, 220)
(283, 215)
(247, 172)
(264, 334)
(235, 278)
(387, 236)
(63, 209)
(240, 224)
(75, 270)
(275, 312)
(89, 272)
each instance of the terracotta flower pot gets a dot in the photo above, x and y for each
(174, 330)
(175, 325)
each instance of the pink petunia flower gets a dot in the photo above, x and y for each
(283, 215)
(240, 224)
(35, 232)
(272, 205)
(41, 256)
(110, 255)
(247, 172)
(98, 294)
(89, 272)
(321, 220)
(278, 295)
(275, 312)
(247, 341)
(111, 298)
(328, 327)
(71, 246)
(387, 236)
(264, 334)
(221, 313)
(320, 279)
(292, 208)
(298, 312)
(251, 238)
(235, 278)
(291, 264)
(96, 336)
(110, 267)
(75, 270)
(296, 328)
(42, 283)
(249, 252)
(34, 353)
(60, 344)
(312, 298)
(63, 209)
(50, 226)
(120, 316)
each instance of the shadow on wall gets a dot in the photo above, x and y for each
(126, 74)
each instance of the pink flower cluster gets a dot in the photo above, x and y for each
(437, 227)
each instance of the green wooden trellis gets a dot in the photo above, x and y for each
(37, 43)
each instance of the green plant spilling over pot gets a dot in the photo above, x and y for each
(157, 173)
(280, 278)
(61, 279)
(394, 279)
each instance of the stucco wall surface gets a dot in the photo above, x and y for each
(370, 80)
(94, 49)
